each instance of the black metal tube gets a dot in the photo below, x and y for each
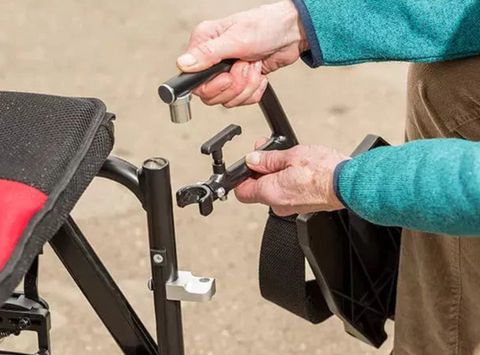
(275, 115)
(185, 82)
(102, 293)
(123, 172)
(156, 187)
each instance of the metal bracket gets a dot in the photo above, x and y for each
(190, 288)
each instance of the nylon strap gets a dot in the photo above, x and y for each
(282, 272)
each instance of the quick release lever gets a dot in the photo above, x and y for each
(215, 145)
(204, 194)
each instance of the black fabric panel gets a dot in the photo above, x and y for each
(40, 134)
(69, 157)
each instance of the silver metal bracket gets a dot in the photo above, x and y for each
(190, 288)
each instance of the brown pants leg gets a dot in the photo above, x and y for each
(438, 307)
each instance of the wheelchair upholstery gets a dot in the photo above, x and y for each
(51, 148)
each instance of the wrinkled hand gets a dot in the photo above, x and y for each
(264, 39)
(298, 180)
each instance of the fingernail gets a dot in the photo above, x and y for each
(226, 86)
(258, 66)
(187, 60)
(245, 70)
(253, 158)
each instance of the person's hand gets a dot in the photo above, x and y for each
(264, 39)
(297, 180)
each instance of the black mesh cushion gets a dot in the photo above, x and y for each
(53, 147)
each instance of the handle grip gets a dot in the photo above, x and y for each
(183, 83)
(217, 142)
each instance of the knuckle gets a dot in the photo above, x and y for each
(203, 26)
(207, 102)
(200, 92)
(267, 159)
(238, 88)
(239, 194)
(242, 42)
(228, 105)
(206, 48)
(281, 211)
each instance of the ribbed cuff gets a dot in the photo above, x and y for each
(314, 56)
(336, 181)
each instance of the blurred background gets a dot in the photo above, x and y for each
(120, 51)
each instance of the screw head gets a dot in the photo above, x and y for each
(157, 259)
(150, 284)
(221, 192)
(24, 323)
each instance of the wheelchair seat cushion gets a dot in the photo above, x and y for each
(51, 148)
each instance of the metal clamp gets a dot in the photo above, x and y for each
(188, 287)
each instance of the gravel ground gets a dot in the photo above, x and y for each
(120, 51)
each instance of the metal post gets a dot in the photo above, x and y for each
(157, 193)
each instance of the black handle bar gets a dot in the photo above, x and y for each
(183, 83)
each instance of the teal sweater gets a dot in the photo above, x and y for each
(342, 32)
(430, 185)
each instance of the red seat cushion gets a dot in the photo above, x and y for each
(18, 203)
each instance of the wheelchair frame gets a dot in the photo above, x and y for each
(152, 186)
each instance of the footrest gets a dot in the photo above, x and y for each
(355, 264)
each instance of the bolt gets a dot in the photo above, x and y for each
(150, 284)
(221, 193)
(157, 259)
(24, 323)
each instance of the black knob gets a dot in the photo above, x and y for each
(215, 144)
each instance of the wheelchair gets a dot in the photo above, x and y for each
(43, 174)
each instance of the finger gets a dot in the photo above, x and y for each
(257, 96)
(260, 142)
(264, 190)
(214, 87)
(269, 161)
(239, 74)
(209, 53)
(246, 191)
(253, 83)
(205, 31)
(283, 211)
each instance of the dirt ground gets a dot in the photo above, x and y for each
(120, 51)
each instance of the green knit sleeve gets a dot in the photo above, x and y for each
(342, 32)
(428, 185)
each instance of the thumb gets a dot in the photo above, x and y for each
(208, 53)
(268, 162)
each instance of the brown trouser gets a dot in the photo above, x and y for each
(438, 307)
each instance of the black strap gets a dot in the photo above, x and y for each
(282, 272)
